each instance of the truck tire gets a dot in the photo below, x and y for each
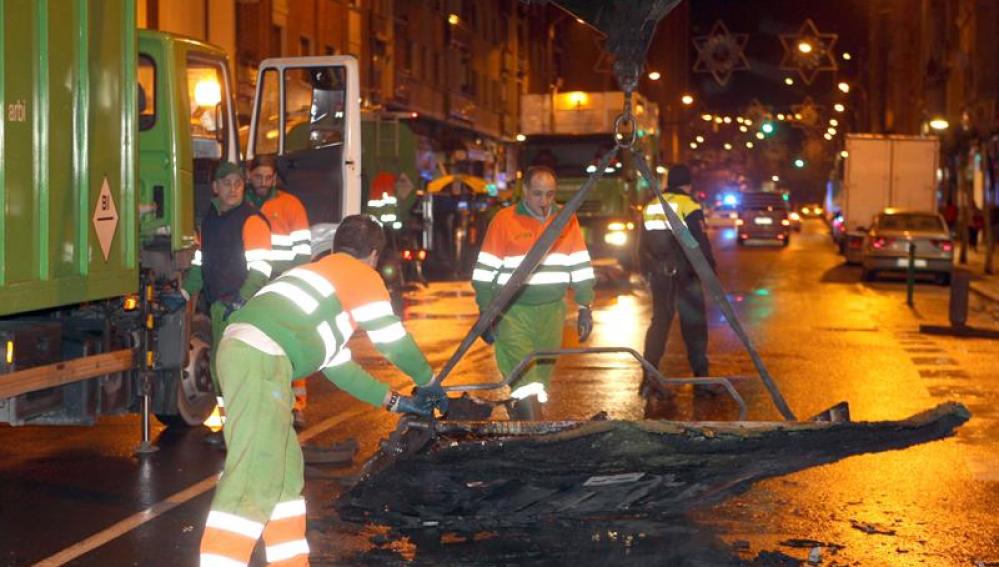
(195, 395)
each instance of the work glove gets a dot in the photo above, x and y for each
(489, 335)
(233, 306)
(431, 396)
(407, 404)
(584, 323)
(173, 302)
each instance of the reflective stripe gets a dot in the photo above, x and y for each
(197, 258)
(262, 266)
(387, 334)
(303, 300)
(540, 278)
(257, 254)
(234, 524)
(288, 509)
(512, 261)
(480, 275)
(656, 225)
(300, 235)
(489, 260)
(282, 255)
(583, 275)
(341, 357)
(344, 325)
(216, 560)
(372, 311)
(302, 249)
(287, 550)
(220, 402)
(317, 282)
(578, 257)
(532, 389)
(281, 239)
(329, 341)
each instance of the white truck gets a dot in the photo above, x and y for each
(884, 171)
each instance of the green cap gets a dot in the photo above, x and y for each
(226, 168)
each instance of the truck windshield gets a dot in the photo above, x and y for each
(576, 157)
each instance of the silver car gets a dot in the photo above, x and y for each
(886, 245)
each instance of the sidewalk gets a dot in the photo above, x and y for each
(985, 285)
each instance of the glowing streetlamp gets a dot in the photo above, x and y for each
(838, 107)
(453, 19)
(788, 81)
(805, 47)
(843, 86)
(687, 100)
(939, 124)
(654, 76)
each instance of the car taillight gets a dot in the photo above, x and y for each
(854, 242)
(881, 242)
(945, 245)
(407, 255)
(421, 255)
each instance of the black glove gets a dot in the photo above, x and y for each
(173, 302)
(407, 404)
(431, 396)
(233, 306)
(488, 336)
(584, 323)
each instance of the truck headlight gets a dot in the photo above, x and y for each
(616, 238)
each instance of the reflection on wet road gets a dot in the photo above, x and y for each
(824, 336)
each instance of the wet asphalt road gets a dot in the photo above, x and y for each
(78, 495)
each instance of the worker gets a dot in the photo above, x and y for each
(290, 236)
(233, 260)
(534, 320)
(294, 326)
(672, 278)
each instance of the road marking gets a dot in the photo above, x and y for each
(151, 513)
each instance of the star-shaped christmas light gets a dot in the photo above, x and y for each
(721, 52)
(807, 114)
(808, 52)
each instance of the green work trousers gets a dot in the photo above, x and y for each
(524, 329)
(263, 463)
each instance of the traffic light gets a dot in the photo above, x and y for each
(767, 128)
(799, 163)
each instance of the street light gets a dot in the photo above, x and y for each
(827, 136)
(805, 47)
(831, 130)
(654, 76)
(839, 107)
(687, 100)
(788, 81)
(749, 145)
(760, 136)
(743, 129)
(844, 154)
(700, 139)
(775, 178)
(453, 19)
(521, 137)
(843, 86)
(707, 117)
(728, 146)
(727, 120)
(693, 146)
(939, 124)
(833, 122)
(847, 56)
(767, 128)
(780, 116)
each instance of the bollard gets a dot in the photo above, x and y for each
(960, 286)
(910, 273)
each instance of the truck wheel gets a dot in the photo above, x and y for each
(195, 393)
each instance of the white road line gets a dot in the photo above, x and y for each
(151, 513)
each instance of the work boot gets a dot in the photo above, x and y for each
(527, 409)
(215, 439)
(709, 390)
(298, 419)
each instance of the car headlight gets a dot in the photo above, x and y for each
(616, 238)
(615, 226)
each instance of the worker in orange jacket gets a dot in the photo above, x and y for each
(535, 319)
(290, 236)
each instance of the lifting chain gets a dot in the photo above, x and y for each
(625, 126)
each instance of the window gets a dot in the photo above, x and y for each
(147, 92)
(315, 116)
(208, 103)
(304, 46)
(267, 119)
(329, 50)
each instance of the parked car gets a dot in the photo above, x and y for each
(722, 215)
(763, 216)
(886, 245)
(795, 219)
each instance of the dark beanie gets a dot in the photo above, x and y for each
(678, 176)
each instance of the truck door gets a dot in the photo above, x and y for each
(307, 113)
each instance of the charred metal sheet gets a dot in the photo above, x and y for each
(474, 476)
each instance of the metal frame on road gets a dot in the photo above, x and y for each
(660, 380)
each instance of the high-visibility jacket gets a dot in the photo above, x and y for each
(233, 258)
(311, 312)
(659, 248)
(290, 235)
(509, 237)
